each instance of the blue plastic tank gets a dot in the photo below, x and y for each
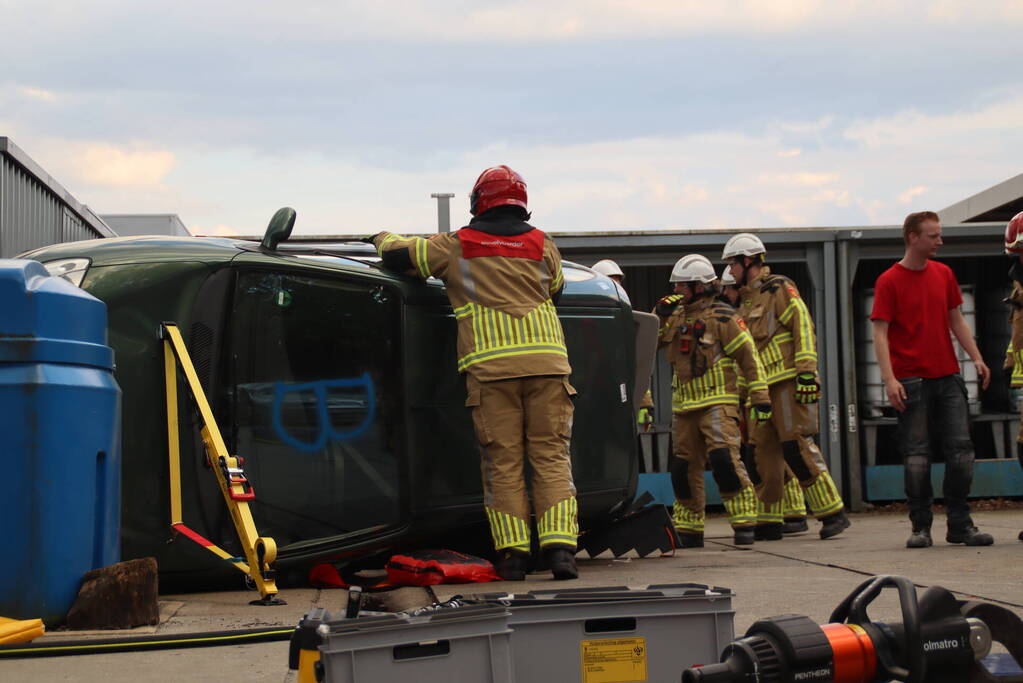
(60, 438)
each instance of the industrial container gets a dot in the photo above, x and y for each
(615, 634)
(460, 644)
(59, 441)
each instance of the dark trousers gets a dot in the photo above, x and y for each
(936, 412)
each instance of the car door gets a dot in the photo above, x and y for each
(315, 391)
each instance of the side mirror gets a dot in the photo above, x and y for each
(279, 228)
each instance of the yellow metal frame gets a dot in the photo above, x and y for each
(260, 551)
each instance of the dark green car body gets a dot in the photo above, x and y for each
(336, 381)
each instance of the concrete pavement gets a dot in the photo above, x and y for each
(799, 574)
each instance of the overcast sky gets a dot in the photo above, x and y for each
(620, 115)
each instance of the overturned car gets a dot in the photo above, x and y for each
(336, 382)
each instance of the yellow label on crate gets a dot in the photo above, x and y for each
(613, 660)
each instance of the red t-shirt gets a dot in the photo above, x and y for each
(915, 303)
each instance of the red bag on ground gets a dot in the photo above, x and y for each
(326, 576)
(431, 567)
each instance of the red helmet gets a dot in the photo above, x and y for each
(497, 186)
(1014, 235)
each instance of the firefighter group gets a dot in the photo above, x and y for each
(745, 382)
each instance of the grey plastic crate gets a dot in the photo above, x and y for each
(617, 634)
(463, 644)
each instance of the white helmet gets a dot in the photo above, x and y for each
(693, 268)
(607, 267)
(743, 244)
(726, 277)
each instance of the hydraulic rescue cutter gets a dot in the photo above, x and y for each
(939, 640)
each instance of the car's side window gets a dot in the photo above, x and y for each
(316, 402)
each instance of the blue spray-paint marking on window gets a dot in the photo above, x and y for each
(327, 431)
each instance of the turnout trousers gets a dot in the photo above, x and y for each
(788, 439)
(709, 435)
(520, 419)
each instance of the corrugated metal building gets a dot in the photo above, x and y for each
(835, 270)
(127, 224)
(35, 210)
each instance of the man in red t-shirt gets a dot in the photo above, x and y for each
(916, 303)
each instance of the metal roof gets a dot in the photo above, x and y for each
(997, 203)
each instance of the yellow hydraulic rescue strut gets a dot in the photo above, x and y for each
(260, 551)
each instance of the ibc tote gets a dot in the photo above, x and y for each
(59, 441)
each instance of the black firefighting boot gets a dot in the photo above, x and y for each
(744, 535)
(834, 524)
(768, 531)
(691, 539)
(562, 563)
(795, 525)
(511, 565)
(920, 538)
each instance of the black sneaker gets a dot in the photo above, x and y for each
(795, 525)
(768, 532)
(834, 524)
(690, 539)
(562, 563)
(970, 535)
(744, 536)
(511, 565)
(920, 538)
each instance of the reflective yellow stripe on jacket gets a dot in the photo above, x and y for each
(797, 308)
(499, 335)
(713, 386)
(745, 386)
(710, 388)
(1015, 357)
(773, 360)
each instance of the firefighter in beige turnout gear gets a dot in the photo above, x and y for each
(781, 325)
(503, 277)
(1013, 366)
(793, 504)
(709, 349)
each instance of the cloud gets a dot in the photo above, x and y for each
(621, 114)
(909, 195)
(803, 178)
(529, 21)
(560, 20)
(104, 164)
(866, 172)
(38, 94)
(958, 13)
(215, 231)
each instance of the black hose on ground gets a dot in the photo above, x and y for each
(59, 648)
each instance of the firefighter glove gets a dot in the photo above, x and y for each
(368, 239)
(760, 413)
(666, 306)
(807, 388)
